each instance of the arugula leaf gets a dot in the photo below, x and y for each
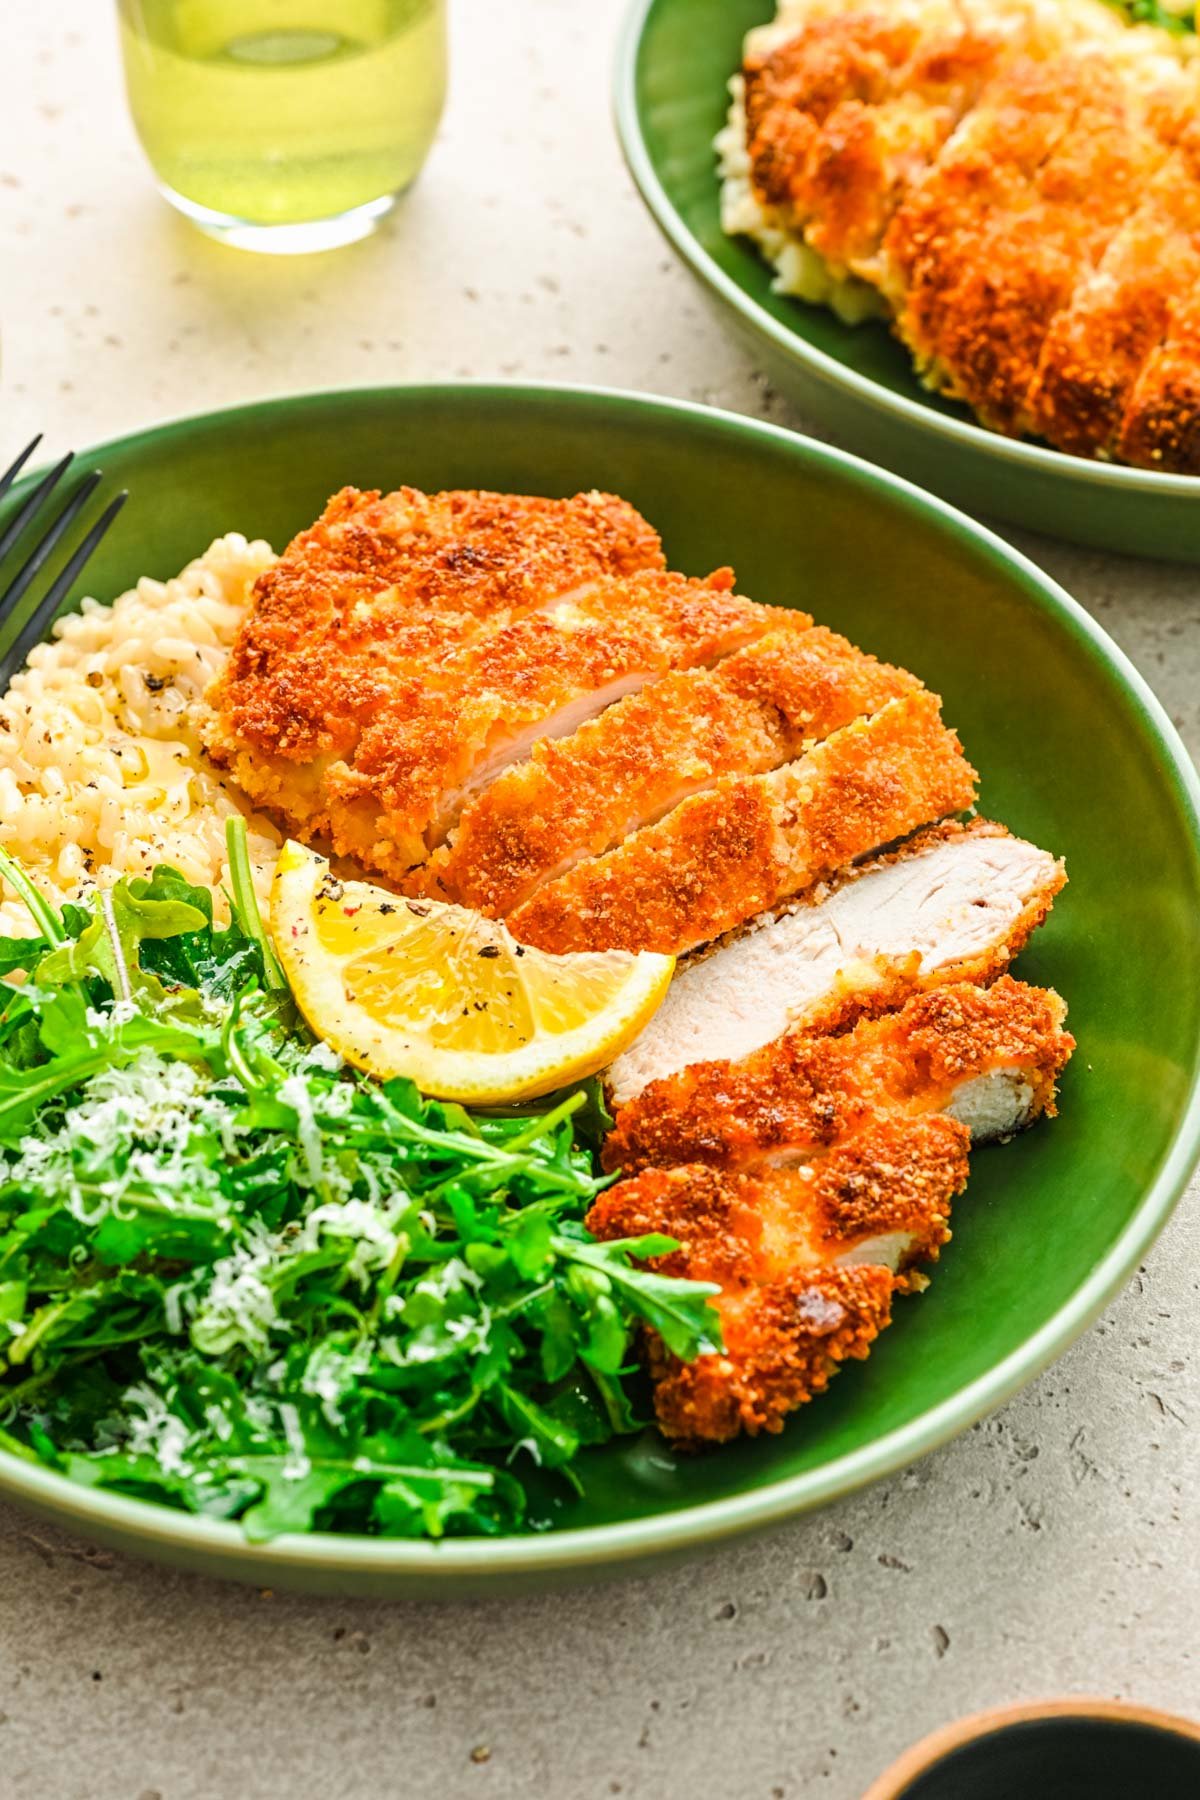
(241, 1280)
(21, 953)
(45, 920)
(245, 905)
(678, 1310)
(109, 947)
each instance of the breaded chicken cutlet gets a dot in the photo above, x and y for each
(807, 1261)
(373, 599)
(1017, 182)
(746, 843)
(604, 754)
(808, 1181)
(954, 903)
(511, 704)
(989, 1057)
(579, 796)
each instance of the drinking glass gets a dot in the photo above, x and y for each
(285, 125)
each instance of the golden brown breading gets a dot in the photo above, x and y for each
(953, 903)
(379, 585)
(580, 796)
(444, 731)
(806, 1259)
(1020, 183)
(784, 1343)
(891, 1176)
(748, 842)
(843, 117)
(1160, 427)
(1095, 348)
(806, 1091)
(366, 605)
(991, 246)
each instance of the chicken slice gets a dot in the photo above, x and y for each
(449, 730)
(806, 1259)
(1160, 428)
(582, 795)
(750, 841)
(379, 586)
(843, 111)
(1095, 349)
(989, 1057)
(955, 903)
(989, 248)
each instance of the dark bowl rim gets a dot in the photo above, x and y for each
(960, 433)
(928, 1752)
(171, 1535)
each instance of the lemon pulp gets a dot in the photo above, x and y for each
(447, 997)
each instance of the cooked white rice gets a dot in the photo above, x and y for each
(101, 769)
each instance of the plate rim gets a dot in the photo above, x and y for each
(960, 433)
(482, 1561)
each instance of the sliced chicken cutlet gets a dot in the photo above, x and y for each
(844, 110)
(992, 170)
(806, 1259)
(1160, 426)
(379, 587)
(1096, 348)
(992, 243)
(955, 903)
(580, 796)
(447, 731)
(750, 841)
(988, 1057)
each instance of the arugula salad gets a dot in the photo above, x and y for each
(244, 1280)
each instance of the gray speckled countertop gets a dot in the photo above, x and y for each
(1051, 1549)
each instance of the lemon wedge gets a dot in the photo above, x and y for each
(447, 997)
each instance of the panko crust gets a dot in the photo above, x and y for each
(581, 796)
(438, 728)
(795, 1256)
(807, 1090)
(748, 842)
(992, 247)
(892, 1175)
(1018, 182)
(382, 581)
(784, 1343)
(896, 986)
(843, 118)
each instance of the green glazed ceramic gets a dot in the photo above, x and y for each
(1074, 752)
(673, 66)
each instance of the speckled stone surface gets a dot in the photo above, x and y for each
(1052, 1549)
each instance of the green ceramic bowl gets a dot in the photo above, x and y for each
(673, 64)
(1074, 752)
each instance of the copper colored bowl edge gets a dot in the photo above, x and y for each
(939, 1744)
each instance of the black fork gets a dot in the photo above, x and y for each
(36, 625)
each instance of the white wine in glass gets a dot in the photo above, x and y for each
(285, 125)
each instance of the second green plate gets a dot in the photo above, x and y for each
(673, 67)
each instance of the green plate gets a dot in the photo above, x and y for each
(674, 61)
(1074, 752)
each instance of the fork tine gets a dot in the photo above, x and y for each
(24, 575)
(41, 492)
(14, 469)
(34, 628)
